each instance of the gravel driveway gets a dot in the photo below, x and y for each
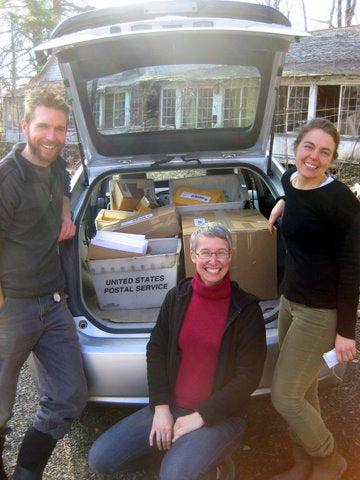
(265, 450)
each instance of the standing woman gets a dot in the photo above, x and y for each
(319, 298)
(204, 359)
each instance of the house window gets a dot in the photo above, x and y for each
(119, 109)
(327, 104)
(97, 111)
(297, 107)
(279, 121)
(114, 110)
(136, 108)
(197, 107)
(350, 110)
(13, 112)
(232, 107)
(144, 107)
(292, 105)
(152, 106)
(239, 106)
(168, 107)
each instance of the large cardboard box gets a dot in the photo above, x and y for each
(254, 257)
(160, 222)
(137, 282)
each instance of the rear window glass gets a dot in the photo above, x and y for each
(175, 97)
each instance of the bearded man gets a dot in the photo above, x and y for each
(34, 217)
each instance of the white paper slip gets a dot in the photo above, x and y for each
(127, 242)
(330, 358)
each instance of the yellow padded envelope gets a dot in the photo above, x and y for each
(195, 196)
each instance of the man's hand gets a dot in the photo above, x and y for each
(345, 349)
(276, 212)
(68, 228)
(187, 424)
(162, 428)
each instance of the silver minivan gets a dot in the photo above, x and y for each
(162, 91)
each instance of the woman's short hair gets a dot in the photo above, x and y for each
(320, 124)
(211, 230)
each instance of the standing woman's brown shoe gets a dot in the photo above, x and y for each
(331, 467)
(301, 468)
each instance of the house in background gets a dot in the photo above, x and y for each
(13, 106)
(321, 77)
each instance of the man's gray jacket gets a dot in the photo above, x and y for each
(30, 222)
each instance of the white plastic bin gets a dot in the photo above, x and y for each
(137, 282)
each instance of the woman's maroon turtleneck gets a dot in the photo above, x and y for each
(199, 341)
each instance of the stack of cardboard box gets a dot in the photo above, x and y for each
(193, 202)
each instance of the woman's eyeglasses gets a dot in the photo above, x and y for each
(207, 254)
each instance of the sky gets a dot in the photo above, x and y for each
(317, 11)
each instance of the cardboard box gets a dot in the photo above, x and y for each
(137, 282)
(254, 256)
(109, 217)
(160, 222)
(126, 196)
(145, 184)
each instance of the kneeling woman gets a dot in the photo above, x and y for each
(204, 359)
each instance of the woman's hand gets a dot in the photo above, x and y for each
(345, 349)
(162, 427)
(186, 424)
(276, 212)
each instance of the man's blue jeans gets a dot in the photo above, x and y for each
(46, 328)
(191, 457)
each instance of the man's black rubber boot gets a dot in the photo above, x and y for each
(35, 451)
(21, 473)
(3, 475)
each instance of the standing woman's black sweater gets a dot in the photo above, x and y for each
(321, 228)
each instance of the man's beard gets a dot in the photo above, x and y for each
(37, 152)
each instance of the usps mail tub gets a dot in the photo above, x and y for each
(137, 282)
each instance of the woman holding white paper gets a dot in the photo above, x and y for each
(319, 298)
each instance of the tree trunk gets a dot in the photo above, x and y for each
(304, 14)
(339, 12)
(349, 12)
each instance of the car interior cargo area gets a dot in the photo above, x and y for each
(134, 238)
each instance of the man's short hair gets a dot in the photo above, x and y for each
(47, 96)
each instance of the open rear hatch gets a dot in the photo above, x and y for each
(161, 91)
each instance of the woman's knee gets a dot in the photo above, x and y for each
(98, 461)
(287, 405)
